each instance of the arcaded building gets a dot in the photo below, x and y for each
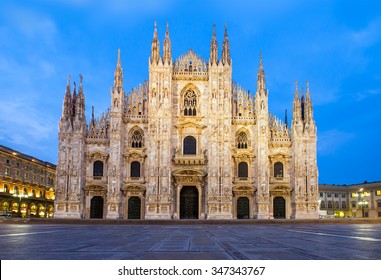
(187, 143)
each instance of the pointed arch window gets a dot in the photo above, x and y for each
(190, 103)
(189, 145)
(243, 170)
(278, 169)
(242, 142)
(98, 169)
(135, 169)
(137, 139)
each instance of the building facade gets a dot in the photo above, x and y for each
(188, 143)
(27, 185)
(349, 201)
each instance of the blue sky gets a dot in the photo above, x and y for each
(336, 45)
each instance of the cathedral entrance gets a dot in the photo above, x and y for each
(189, 203)
(279, 207)
(243, 208)
(134, 205)
(96, 207)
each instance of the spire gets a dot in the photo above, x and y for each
(226, 48)
(261, 81)
(214, 48)
(296, 111)
(308, 105)
(155, 51)
(118, 74)
(67, 104)
(167, 53)
(286, 118)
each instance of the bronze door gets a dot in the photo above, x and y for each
(243, 208)
(279, 208)
(189, 203)
(96, 208)
(134, 206)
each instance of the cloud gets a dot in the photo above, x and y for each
(332, 140)
(367, 93)
(33, 126)
(31, 24)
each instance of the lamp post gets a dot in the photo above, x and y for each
(363, 202)
(20, 196)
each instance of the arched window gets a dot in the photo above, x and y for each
(16, 190)
(243, 170)
(278, 169)
(242, 140)
(322, 205)
(189, 145)
(98, 168)
(190, 103)
(137, 139)
(337, 205)
(135, 169)
(6, 190)
(33, 193)
(343, 205)
(25, 192)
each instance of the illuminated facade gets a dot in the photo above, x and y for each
(347, 201)
(26, 185)
(189, 143)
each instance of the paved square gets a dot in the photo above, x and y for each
(186, 241)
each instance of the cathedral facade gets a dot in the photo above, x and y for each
(189, 143)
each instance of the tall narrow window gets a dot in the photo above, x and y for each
(189, 145)
(242, 140)
(278, 169)
(190, 103)
(137, 139)
(135, 169)
(243, 170)
(98, 168)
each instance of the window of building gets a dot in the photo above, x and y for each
(353, 204)
(336, 195)
(322, 204)
(379, 204)
(343, 195)
(7, 161)
(243, 171)
(321, 194)
(278, 169)
(98, 168)
(353, 195)
(329, 194)
(137, 139)
(189, 145)
(41, 194)
(190, 103)
(17, 164)
(330, 204)
(135, 169)
(337, 206)
(378, 192)
(33, 193)
(16, 190)
(343, 205)
(242, 140)
(7, 171)
(17, 173)
(6, 190)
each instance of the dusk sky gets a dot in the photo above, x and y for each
(335, 45)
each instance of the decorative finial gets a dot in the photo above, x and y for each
(260, 61)
(68, 80)
(214, 29)
(80, 79)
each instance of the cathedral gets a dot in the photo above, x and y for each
(188, 143)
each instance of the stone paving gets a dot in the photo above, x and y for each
(183, 241)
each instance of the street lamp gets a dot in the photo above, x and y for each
(363, 202)
(20, 196)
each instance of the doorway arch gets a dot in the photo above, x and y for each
(96, 207)
(279, 206)
(243, 208)
(189, 202)
(134, 206)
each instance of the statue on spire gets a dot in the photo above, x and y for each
(226, 48)
(214, 48)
